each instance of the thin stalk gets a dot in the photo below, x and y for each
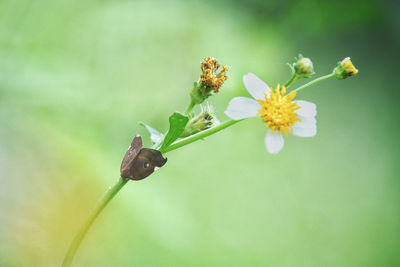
(109, 195)
(292, 80)
(112, 191)
(198, 136)
(320, 79)
(190, 107)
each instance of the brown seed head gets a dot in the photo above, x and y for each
(212, 76)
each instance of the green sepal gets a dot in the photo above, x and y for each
(199, 93)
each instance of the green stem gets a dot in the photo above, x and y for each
(292, 80)
(190, 107)
(109, 195)
(112, 191)
(320, 79)
(198, 136)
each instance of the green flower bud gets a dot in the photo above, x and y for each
(303, 67)
(203, 121)
(344, 69)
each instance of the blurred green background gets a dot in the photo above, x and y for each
(77, 76)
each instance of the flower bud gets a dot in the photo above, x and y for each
(203, 121)
(303, 67)
(344, 69)
(211, 79)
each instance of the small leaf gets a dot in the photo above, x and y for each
(155, 136)
(177, 124)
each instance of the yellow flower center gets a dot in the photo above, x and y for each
(279, 111)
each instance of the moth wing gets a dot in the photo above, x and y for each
(145, 163)
(130, 156)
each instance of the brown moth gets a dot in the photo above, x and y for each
(139, 162)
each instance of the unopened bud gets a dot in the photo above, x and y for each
(344, 69)
(303, 67)
(203, 121)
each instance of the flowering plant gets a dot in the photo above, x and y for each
(277, 108)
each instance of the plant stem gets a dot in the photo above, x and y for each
(113, 190)
(109, 195)
(292, 80)
(190, 107)
(322, 78)
(198, 136)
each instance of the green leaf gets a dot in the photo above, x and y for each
(177, 124)
(155, 136)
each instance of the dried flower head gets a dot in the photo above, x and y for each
(210, 76)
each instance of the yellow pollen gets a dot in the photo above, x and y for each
(279, 111)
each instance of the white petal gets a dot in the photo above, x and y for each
(307, 109)
(306, 122)
(256, 87)
(242, 107)
(307, 127)
(274, 142)
(304, 132)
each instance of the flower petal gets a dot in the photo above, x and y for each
(304, 132)
(274, 142)
(256, 87)
(242, 107)
(307, 109)
(306, 122)
(307, 127)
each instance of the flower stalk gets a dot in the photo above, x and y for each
(108, 196)
(113, 190)
(190, 107)
(292, 80)
(317, 80)
(198, 136)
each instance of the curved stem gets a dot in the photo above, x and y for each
(322, 78)
(292, 80)
(198, 136)
(112, 191)
(109, 195)
(190, 107)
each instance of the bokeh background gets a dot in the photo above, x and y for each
(77, 76)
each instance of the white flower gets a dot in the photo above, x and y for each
(277, 110)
